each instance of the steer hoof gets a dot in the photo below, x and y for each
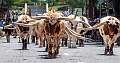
(51, 56)
(40, 46)
(81, 45)
(46, 49)
(24, 49)
(106, 51)
(36, 43)
(56, 53)
(111, 53)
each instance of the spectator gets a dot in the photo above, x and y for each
(66, 12)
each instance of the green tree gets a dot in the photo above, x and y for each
(18, 2)
(4, 6)
(76, 3)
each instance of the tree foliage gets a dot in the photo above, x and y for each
(75, 3)
(72, 3)
(18, 2)
(5, 3)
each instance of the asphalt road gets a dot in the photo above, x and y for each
(12, 53)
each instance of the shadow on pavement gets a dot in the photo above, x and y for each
(5, 42)
(41, 51)
(100, 45)
(46, 57)
(21, 49)
(107, 55)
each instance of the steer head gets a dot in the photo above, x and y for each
(109, 24)
(52, 18)
(112, 25)
(109, 20)
(24, 20)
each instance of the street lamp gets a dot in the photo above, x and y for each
(46, 6)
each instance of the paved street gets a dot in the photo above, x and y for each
(11, 53)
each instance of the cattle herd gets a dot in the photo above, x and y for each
(51, 27)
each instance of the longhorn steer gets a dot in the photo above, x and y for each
(23, 29)
(79, 22)
(109, 30)
(54, 27)
(40, 34)
(50, 27)
(82, 32)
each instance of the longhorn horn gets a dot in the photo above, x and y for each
(26, 25)
(7, 26)
(85, 23)
(63, 18)
(71, 32)
(40, 17)
(98, 25)
(19, 23)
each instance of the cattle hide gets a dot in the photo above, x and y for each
(53, 33)
(109, 30)
(23, 28)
